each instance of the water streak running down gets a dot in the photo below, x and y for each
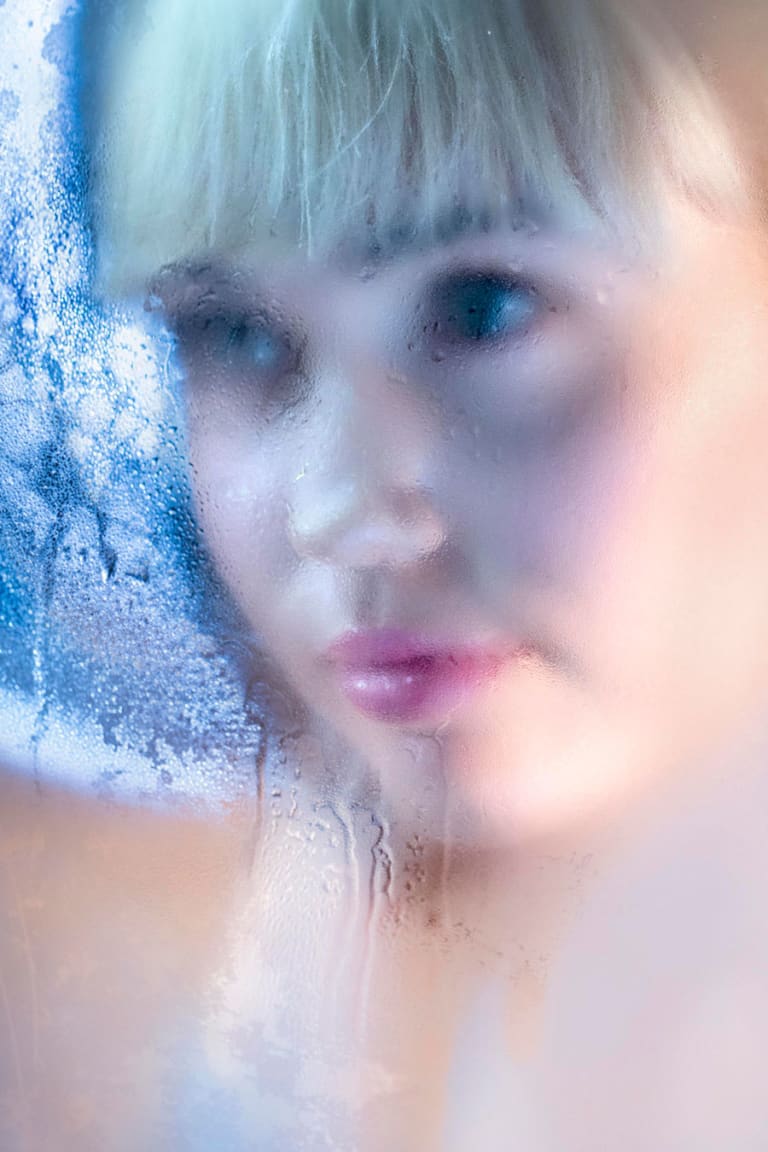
(379, 901)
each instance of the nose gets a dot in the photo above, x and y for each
(363, 496)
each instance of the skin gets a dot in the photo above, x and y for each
(582, 485)
(111, 919)
(579, 484)
(628, 546)
(587, 486)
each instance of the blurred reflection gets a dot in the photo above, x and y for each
(383, 416)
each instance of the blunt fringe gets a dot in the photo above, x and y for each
(222, 122)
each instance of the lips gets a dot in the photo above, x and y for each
(393, 675)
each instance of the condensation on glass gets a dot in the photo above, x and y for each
(383, 567)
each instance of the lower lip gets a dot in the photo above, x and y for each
(415, 689)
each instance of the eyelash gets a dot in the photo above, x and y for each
(467, 309)
(225, 337)
(474, 308)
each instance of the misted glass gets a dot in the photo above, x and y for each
(384, 616)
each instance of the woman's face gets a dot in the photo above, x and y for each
(494, 505)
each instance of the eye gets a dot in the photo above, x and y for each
(482, 307)
(248, 349)
(246, 343)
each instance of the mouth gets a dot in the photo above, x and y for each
(396, 676)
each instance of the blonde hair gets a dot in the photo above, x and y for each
(224, 121)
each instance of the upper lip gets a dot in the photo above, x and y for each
(383, 647)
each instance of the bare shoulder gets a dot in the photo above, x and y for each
(110, 919)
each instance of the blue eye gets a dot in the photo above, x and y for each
(256, 354)
(476, 308)
(254, 346)
(243, 344)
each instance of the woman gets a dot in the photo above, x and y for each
(436, 422)
(471, 309)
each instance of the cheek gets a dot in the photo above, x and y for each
(237, 487)
(679, 612)
(555, 436)
(541, 499)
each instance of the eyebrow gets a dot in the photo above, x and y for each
(370, 250)
(184, 287)
(407, 235)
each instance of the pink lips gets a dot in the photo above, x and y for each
(394, 675)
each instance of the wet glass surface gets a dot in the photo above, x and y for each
(382, 576)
